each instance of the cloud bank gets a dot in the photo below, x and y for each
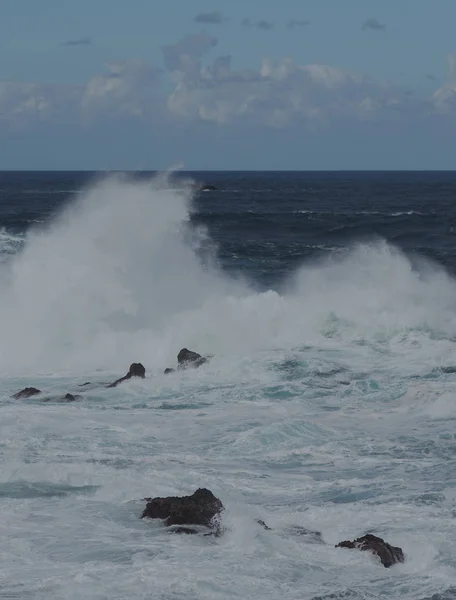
(193, 95)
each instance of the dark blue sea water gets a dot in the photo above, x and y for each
(329, 302)
(267, 224)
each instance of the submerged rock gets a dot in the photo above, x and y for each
(27, 392)
(310, 534)
(66, 398)
(201, 508)
(263, 524)
(168, 370)
(313, 536)
(136, 370)
(389, 555)
(71, 398)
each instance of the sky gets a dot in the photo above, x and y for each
(251, 84)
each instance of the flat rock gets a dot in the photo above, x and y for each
(201, 508)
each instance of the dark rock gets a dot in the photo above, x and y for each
(71, 398)
(313, 536)
(84, 384)
(201, 508)
(66, 398)
(136, 370)
(186, 358)
(389, 555)
(26, 393)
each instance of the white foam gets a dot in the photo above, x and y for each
(117, 278)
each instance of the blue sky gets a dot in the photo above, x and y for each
(141, 84)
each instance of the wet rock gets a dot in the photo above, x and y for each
(311, 535)
(66, 398)
(26, 393)
(201, 508)
(263, 524)
(71, 398)
(187, 358)
(389, 555)
(136, 370)
(84, 384)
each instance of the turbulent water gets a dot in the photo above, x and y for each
(329, 303)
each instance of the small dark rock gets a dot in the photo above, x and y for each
(71, 398)
(84, 384)
(200, 508)
(389, 555)
(26, 393)
(187, 358)
(313, 536)
(169, 370)
(136, 370)
(263, 524)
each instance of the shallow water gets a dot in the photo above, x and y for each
(323, 408)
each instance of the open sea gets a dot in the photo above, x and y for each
(329, 303)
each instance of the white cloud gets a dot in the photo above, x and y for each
(186, 53)
(282, 93)
(276, 95)
(131, 88)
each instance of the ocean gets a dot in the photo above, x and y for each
(328, 302)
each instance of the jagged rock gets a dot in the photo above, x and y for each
(201, 508)
(26, 393)
(187, 358)
(263, 524)
(389, 555)
(136, 370)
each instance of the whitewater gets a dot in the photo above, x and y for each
(325, 407)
